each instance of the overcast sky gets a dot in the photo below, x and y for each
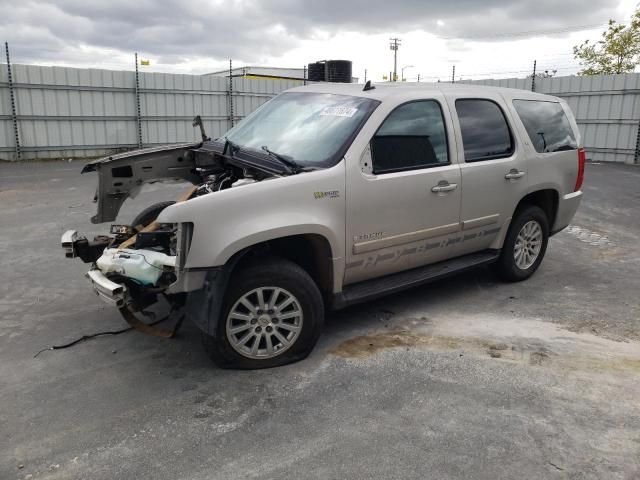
(488, 39)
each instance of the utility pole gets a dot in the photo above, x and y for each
(365, 75)
(418, 78)
(453, 75)
(394, 44)
(533, 77)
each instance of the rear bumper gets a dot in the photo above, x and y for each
(567, 208)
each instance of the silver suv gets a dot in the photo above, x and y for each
(329, 195)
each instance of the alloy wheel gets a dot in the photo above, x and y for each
(528, 245)
(264, 322)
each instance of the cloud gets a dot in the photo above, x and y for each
(248, 30)
(462, 17)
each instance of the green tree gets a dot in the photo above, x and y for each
(617, 52)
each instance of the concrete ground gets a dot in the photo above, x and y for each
(466, 378)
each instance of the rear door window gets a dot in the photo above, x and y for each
(412, 136)
(547, 125)
(484, 129)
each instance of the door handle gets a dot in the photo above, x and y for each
(444, 186)
(514, 174)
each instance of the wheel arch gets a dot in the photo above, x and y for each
(311, 251)
(547, 199)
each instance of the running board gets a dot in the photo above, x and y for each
(396, 282)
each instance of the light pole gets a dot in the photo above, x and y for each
(402, 71)
(394, 43)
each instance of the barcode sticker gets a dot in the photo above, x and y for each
(339, 111)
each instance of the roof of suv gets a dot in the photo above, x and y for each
(386, 91)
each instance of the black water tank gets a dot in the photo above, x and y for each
(330, 71)
(316, 72)
(339, 71)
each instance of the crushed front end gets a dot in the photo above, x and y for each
(131, 272)
(134, 265)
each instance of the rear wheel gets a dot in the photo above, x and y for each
(273, 315)
(525, 245)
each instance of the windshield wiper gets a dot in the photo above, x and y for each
(290, 164)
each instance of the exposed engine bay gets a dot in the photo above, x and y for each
(134, 264)
(210, 165)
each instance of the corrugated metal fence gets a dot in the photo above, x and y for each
(70, 112)
(606, 107)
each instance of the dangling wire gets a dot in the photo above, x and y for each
(82, 339)
(108, 332)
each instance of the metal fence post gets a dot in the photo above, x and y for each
(231, 114)
(533, 77)
(14, 115)
(138, 116)
(636, 155)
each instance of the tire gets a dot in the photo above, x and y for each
(149, 214)
(532, 223)
(224, 347)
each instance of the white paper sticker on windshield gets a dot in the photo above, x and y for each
(339, 111)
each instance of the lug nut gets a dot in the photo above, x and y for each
(269, 329)
(274, 320)
(258, 329)
(254, 321)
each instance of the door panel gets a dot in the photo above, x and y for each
(491, 187)
(401, 219)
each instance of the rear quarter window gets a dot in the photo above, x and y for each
(485, 132)
(547, 125)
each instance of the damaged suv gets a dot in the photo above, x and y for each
(329, 195)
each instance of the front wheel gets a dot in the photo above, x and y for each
(525, 245)
(272, 315)
(149, 214)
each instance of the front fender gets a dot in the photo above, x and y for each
(275, 233)
(230, 220)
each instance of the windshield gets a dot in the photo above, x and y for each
(313, 129)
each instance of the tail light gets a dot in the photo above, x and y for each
(582, 156)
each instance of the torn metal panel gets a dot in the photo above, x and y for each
(122, 175)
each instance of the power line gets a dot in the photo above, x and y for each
(459, 73)
(576, 28)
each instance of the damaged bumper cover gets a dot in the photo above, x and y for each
(147, 268)
(114, 294)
